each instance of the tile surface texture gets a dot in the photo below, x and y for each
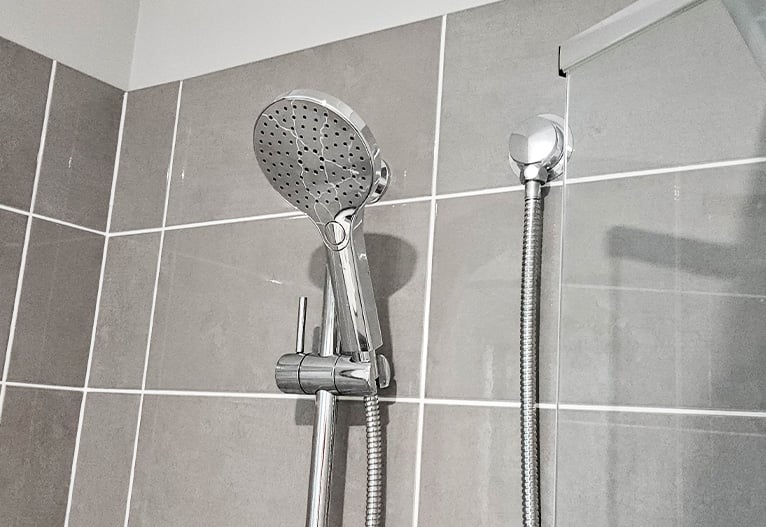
(227, 298)
(701, 235)
(24, 79)
(104, 460)
(468, 475)
(12, 227)
(215, 174)
(242, 469)
(37, 438)
(474, 334)
(80, 147)
(123, 319)
(139, 193)
(58, 300)
(675, 471)
(630, 111)
(501, 68)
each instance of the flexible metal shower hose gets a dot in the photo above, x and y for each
(530, 309)
(374, 461)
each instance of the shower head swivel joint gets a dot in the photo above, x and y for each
(322, 158)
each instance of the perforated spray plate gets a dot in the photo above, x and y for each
(317, 153)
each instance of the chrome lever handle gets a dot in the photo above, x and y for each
(300, 334)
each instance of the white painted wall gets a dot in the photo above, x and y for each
(177, 39)
(138, 43)
(94, 36)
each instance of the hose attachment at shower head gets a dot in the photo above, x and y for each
(322, 158)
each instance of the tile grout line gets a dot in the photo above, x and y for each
(401, 201)
(417, 199)
(470, 403)
(560, 310)
(429, 271)
(604, 287)
(25, 246)
(35, 215)
(153, 308)
(668, 170)
(105, 250)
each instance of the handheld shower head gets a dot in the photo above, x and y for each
(322, 158)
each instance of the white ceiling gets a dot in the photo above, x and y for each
(138, 43)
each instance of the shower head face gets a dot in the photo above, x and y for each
(318, 154)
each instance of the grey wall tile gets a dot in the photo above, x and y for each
(215, 174)
(37, 439)
(57, 305)
(147, 139)
(221, 461)
(638, 469)
(211, 461)
(649, 348)
(104, 460)
(470, 472)
(350, 464)
(80, 146)
(629, 110)
(24, 78)
(500, 68)
(123, 318)
(692, 231)
(12, 228)
(227, 297)
(474, 333)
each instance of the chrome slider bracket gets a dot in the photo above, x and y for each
(308, 373)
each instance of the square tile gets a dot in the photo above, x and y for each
(471, 472)
(630, 111)
(119, 350)
(501, 68)
(12, 229)
(227, 298)
(80, 147)
(57, 305)
(668, 349)
(24, 79)
(147, 140)
(104, 460)
(475, 296)
(37, 439)
(676, 471)
(215, 174)
(349, 477)
(690, 231)
(240, 470)
(211, 461)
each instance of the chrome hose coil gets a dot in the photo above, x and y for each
(375, 468)
(529, 347)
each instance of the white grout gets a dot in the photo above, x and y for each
(661, 410)
(38, 386)
(67, 224)
(664, 291)
(429, 272)
(469, 403)
(153, 307)
(105, 249)
(420, 199)
(667, 170)
(25, 247)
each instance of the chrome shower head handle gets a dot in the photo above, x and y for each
(322, 158)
